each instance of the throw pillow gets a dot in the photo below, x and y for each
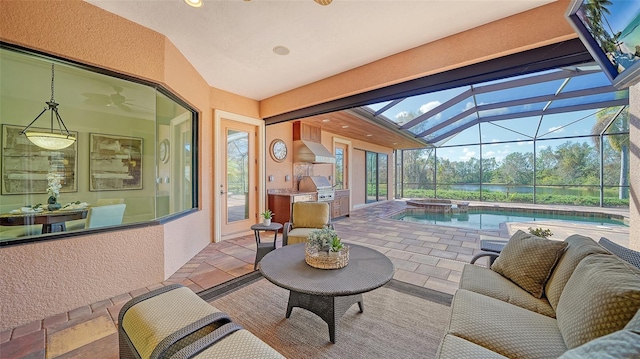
(601, 297)
(528, 261)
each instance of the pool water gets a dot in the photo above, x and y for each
(491, 219)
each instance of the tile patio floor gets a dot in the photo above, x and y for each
(425, 255)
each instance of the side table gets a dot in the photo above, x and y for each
(264, 248)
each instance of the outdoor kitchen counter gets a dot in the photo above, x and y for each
(281, 202)
(288, 192)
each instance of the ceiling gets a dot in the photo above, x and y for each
(350, 124)
(230, 42)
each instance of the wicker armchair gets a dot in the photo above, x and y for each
(305, 217)
(625, 253)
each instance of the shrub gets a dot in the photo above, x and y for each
(540, 232)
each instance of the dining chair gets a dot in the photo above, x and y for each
(104, 216)
(82, 223)
(305, 218)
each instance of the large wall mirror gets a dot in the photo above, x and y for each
(133, 159)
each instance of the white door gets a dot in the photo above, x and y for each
(239, 183)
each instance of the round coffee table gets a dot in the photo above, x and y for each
(327, 293)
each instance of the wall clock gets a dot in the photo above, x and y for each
(164, 151)
(278, 150)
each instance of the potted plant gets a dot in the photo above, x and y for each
(336, 246)
(54, 182)
(325, 240)
(541, 232)
(325, 250)
(266, 217)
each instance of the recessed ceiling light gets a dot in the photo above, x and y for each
(345, 126)
(369, 135)
(280, 50)
(194, 3)
(326, 120)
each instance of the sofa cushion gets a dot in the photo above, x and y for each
(299, 235)
(634, 323)
(240, 344)
(485, 281)
(504, 328)
(528, 261)
(578, 247)
(623, 344)
(601, 297)
(455, 348)
(150, 321)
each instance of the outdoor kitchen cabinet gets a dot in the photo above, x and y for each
(340, 205)
(281, 204)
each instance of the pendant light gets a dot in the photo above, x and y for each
(50, 140)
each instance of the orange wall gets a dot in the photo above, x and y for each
(279, 170)
(44, 279)
(634, 164)
(358, 192)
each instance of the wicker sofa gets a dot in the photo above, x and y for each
(588, 309)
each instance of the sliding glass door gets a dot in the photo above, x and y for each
(376, 177)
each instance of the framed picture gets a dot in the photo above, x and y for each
(115, 162)
(610, 34)
(25, 166)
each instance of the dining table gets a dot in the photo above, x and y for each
(51, 221)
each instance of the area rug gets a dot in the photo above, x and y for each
(398, 322)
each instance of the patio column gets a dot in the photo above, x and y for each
(634, 167)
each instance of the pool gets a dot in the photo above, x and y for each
(491, 218)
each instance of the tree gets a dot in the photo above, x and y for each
(577, 164)
(618, 142)
(546, 164)
(516, 169)
(418, 169)
(489, 167)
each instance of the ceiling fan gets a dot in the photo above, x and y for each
(115, 99)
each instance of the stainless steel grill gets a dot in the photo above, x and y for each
(318, 184)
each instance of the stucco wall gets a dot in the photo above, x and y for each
(634, 165)
(279, 170)
(358, 192)
(40, 280)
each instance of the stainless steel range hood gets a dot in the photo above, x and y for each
(312, 152)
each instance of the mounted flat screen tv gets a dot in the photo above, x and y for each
(610, 31)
